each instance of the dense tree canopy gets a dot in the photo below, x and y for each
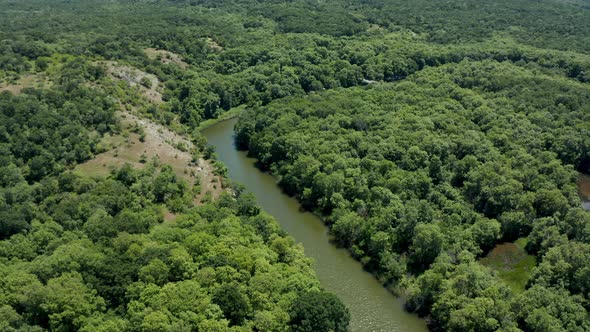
(472, 121)
(252, 52)
(445, 163)
(90, 262)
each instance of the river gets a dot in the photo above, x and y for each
(584, 189)
(371, 306)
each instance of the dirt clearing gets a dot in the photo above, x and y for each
(142, 141)
(166, 57)
(148, 84)
(36, 81)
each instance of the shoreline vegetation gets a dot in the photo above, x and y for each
(231, 114)
(347, 167)
(209, 266)
(331, 263)
(446, 178)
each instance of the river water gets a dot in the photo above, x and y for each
(584, 189)
(371, 306)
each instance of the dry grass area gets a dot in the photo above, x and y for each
(165, 57)
(157, 142)
(376, 28)
(26, 81)
(143, 140)
(214, 45)
(136, 78)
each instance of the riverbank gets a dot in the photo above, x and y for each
(372, 306)
(231, 114)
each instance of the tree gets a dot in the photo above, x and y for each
(319, 311)
(146, 82)
(100, 225)
(550, 309)
(66, 302)
(10, 320)
(167, 185)
(426, 245)
(247, 205)
(233, 303)
(565, 266)
(485, 233)
(474, 316)
(155, 272)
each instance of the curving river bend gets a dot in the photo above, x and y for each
(371, 306)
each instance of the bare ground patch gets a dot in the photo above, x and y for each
(157, 141)
(165, 57)
(148, 84)
(214, 45)
(26, 81)
(143, 140)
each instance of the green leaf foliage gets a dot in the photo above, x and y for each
(449, 127)
(446, 163)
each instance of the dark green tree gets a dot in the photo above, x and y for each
(319, 311)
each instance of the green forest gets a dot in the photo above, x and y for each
(439, 141)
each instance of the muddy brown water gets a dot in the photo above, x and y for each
(584, 189)
(371, 306)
